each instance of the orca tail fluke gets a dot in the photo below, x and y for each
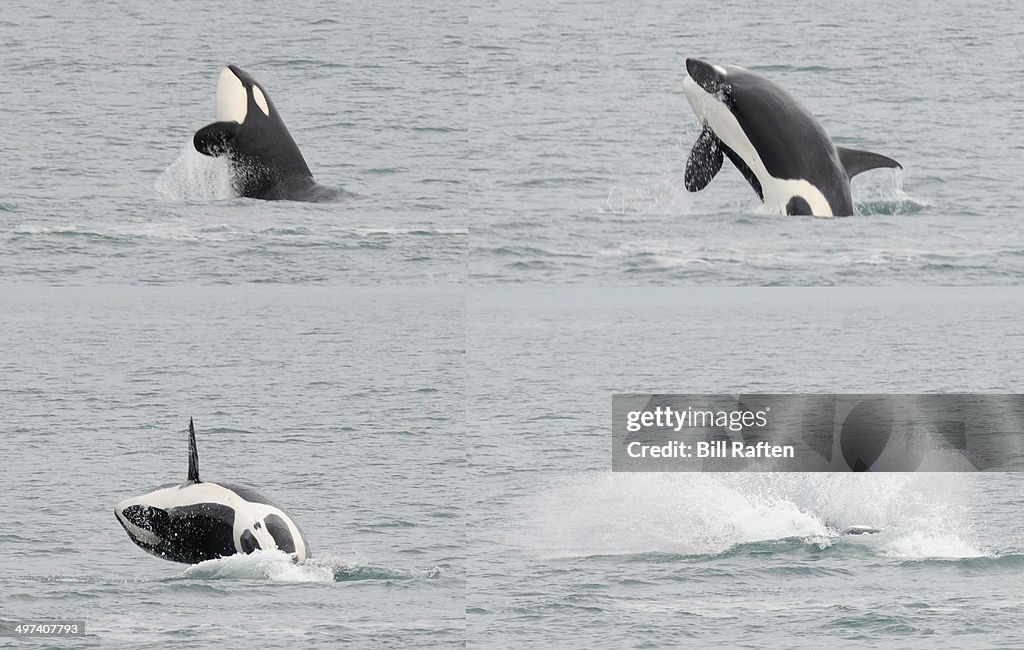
(856, 161)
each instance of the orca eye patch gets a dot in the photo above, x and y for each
(260, 100)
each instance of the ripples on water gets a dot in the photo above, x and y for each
(594, 131)
(532, 143)
(562, 549)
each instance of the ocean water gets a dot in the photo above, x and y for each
(565, 553)
(101, 185)
(442, 437)
(584, 102)
(342, 404)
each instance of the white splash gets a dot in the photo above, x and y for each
(261, 565)
(880, 191)
(195, 177)
(922, 515)
(277, 566)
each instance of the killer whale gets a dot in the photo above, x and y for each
(265, 161)
(860, 530)
(778, 146)
(204, 520)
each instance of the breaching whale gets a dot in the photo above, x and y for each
(266, 163)
(203, 520)
(778, 146)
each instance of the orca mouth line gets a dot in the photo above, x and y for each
(139, 526)
(140, 516)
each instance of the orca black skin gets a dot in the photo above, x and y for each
(204, 520)
(778, 146)
(265, 160)
(860, 530)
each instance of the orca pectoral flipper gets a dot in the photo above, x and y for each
(704, 162)
(215, 139)
(856, 161)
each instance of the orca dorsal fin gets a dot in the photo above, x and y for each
(856, 161)
(193, 454)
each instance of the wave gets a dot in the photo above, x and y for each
(276, 566)
(70, 231)
(661, 192)
(923, 516)
(316, 232)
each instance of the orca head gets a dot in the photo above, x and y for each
(240, 97)
(712, 79)
(147, 525)
(244, 112)
(186, 523)
(707, 87)
(711, 93)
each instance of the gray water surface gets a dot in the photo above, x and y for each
(580, 133)
(342, 404)
(565, 553)
(441, 437)
(101, 184)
